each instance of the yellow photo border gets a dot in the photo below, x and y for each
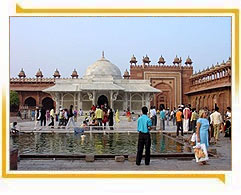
(96, 11)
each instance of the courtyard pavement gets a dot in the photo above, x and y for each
(27, 125)
(221, 161)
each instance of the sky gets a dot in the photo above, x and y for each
(77, 42)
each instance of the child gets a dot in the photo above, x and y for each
(80, 129)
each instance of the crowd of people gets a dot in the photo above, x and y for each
(186, 118)
(205, 124)
(64, 118)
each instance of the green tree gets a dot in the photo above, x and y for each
(14, 99)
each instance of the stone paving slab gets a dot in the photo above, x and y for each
(111, 165)
(124, 125)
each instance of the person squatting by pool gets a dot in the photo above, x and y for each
(143, 127)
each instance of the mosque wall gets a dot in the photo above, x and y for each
(177, 82)
(173, 80)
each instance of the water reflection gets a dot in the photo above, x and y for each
(93, 143)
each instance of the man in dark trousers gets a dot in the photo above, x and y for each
(143, 126)
(43, 116)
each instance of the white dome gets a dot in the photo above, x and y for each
(103, 68)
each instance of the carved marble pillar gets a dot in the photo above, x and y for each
(111, 99)
(94, 98)
(150, 99)
(78, 101)
(130, 101)
(57, 100)
(74, 101)
(62, 100)
(91, 98)
(143, 99)
(146, 99)
(125, 103)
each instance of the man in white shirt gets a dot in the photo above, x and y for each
(216, 120)
(52, 118)
(37, 118)
(153, 116)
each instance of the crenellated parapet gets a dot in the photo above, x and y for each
(32, 80)
(161, 67)
(38, 80)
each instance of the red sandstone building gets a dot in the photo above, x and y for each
(178, 84)
(208, 88)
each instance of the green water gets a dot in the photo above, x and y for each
(95, 143)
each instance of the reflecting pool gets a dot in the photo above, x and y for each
(90, 143)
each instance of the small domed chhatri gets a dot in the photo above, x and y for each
(21, 74)
(39, 73)
(126, 74)
(133, 60)
(146, 60)
(161, 60)
(56, 74)
(223, 63)
(212, 67)
(176, 60)
(229, 61)
(74, 74)
(188, 61)
(217, 65)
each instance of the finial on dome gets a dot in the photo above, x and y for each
(103, 54)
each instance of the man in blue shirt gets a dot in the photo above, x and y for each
(162, 119)
(143, 126)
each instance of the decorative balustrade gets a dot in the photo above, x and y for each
(209, 75)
